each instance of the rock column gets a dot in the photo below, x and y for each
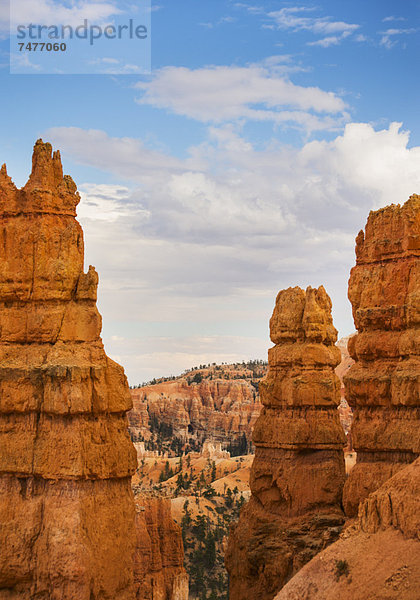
(66, 459)
(298, 472)
(383, 385)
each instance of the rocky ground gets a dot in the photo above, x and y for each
(376, 557)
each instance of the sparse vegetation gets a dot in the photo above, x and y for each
(207, 511)
(341, 568)
(254, 369)
(203, 538)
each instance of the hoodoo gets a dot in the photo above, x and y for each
(66, 506)
(298, 472)
(383, 385)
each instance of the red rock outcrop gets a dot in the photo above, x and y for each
(383, 385)
(298, 471)
(159, 572)
(219, 409)
(379, 557)
(66, 506)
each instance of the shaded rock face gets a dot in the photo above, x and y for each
(383, 385)
(298, 471)
(159, 572)
(217, 409)
(66, 459)
(379, 555)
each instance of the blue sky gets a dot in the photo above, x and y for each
(247, 161)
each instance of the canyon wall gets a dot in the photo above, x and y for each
(219, 409)
(66, 505)
(383, 385)
(298, 471)
(159, 572)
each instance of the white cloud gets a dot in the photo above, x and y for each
(301, 18)
(18, 61)
(388, 35)
(332, 40)
(326, 42)
(113, 66)
(203, 244)
(225, 93)
(51, 12)
(132, 160)
(392, 18)
(104, 202)
(399, 31)
(104, 61)
(295, 18)
(387, 42)
(221, 21)
(249, 8)
(261, 194)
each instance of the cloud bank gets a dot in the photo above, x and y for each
(219, 94)
(209, 240)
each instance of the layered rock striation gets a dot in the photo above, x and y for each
(66, 459)
(383, 385)
(159, 571)
(298, 471)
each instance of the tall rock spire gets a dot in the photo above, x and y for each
(66, 459)
(383, 385)
(298, 472)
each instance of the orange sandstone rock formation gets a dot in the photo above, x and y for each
(159, 559)
(377, 558)
(383, 386)
(298, 471)
(219, 409)
(66, 459)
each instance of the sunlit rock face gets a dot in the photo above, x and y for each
(298, 472)
(383, 385)
(66, 459)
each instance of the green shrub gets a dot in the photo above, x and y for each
(341, 568)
